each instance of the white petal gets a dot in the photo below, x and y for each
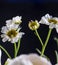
(8, 22)
(47, 16)
(3, 35)
(20, 34)
(51, 26)
(56, 26)
(14, 40)
(4, 29)
(13, 26)
(5, 39)
(44, 21)
(17, 18)
(56, 30)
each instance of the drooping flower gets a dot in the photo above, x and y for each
(31, 59)
(11, 33)
(51, 21)
(0, 56)
(34, 25)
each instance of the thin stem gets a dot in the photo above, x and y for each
(39, 37)
(38, 50)
(40, 53)
(5, 51)
(47, 39)
(56, 56)
(17, 49)
(14, 49)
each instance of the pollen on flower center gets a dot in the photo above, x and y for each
(12, 33)
(52, 21)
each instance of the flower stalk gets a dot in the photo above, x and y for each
(37, 34)
(16, 48)
(46, 42)
(5, 51)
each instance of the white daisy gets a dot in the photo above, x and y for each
(51, 21)
(11, 33)
(16, 21)
(0, 56)
(31, 59)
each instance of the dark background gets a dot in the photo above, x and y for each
(29, 10)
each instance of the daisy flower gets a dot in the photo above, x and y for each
(16, 21)
(31, 59)
(51, 21)
(33, 25)
(11, 33)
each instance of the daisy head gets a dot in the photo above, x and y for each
(51, 21)
(11, 34)
(16, 21)
(33, 25)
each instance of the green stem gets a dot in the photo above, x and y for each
(15, 50)
(47, 39)
(5, 51)
(40, 53)
(39, 37)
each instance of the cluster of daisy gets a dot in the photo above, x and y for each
(11, 32)
(52, 22)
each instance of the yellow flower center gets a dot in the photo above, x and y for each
(52, 21)
(33, 25)
(18, 22)
(12, 33)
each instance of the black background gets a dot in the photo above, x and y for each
(29, 42)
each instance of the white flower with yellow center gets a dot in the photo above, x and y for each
(16, 21)
(51, 21)
(31, 59)
(0, 56)
(11, 33)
